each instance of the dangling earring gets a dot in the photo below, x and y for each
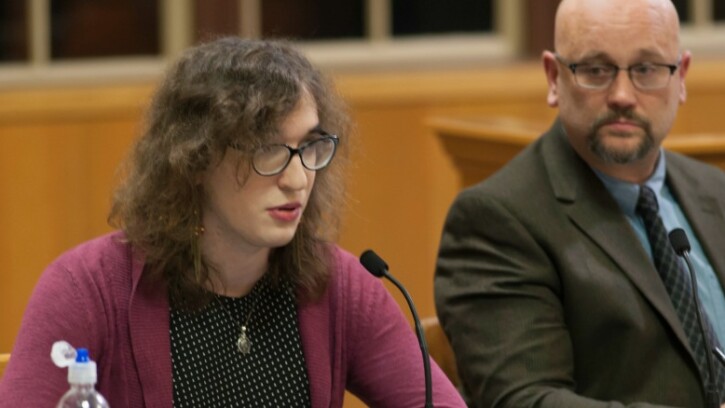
(199, 228)
(195, 247)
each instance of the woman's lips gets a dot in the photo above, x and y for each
(286, 213)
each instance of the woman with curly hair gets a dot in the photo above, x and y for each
(222, 286)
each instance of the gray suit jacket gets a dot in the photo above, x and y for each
(550, 300)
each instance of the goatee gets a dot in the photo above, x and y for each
(620, 156)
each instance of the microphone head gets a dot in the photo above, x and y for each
(373, 263)
(679, 241)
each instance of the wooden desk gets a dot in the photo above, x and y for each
(480, 146)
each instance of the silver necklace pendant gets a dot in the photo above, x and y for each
(243, 344)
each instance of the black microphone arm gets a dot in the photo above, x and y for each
(375, 265)
(681, 245)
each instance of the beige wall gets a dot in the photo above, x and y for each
(59, 149)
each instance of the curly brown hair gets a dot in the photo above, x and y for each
(228, 91)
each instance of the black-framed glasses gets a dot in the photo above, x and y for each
(646, 76)
(317, 154)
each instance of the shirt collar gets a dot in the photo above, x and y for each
(626, 194)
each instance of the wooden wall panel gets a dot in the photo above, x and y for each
(55, 183)
(4, 358)
(58, 153)
(396, 183)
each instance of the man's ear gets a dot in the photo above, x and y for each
(682, 72)
(551, 69)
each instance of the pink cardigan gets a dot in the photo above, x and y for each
(355, 337)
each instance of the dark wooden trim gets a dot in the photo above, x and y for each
(539, 26)
(215, 18)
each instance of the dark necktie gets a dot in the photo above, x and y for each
(677, 282)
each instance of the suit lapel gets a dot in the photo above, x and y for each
(593, 210)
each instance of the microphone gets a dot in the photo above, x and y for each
(375, 265)
(681, 245)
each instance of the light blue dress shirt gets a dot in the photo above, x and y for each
(626, 195)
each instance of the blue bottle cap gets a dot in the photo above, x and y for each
(82, 355)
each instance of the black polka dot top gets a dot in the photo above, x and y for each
(210, 371)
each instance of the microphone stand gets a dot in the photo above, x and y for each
(376, 266)
(681, 245)
(421, 340)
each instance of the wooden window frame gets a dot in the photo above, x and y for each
(522, 29)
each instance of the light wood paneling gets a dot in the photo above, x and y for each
(58, 153)
(4, 358)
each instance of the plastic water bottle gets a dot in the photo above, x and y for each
(81, 377)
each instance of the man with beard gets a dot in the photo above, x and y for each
(553, 282)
